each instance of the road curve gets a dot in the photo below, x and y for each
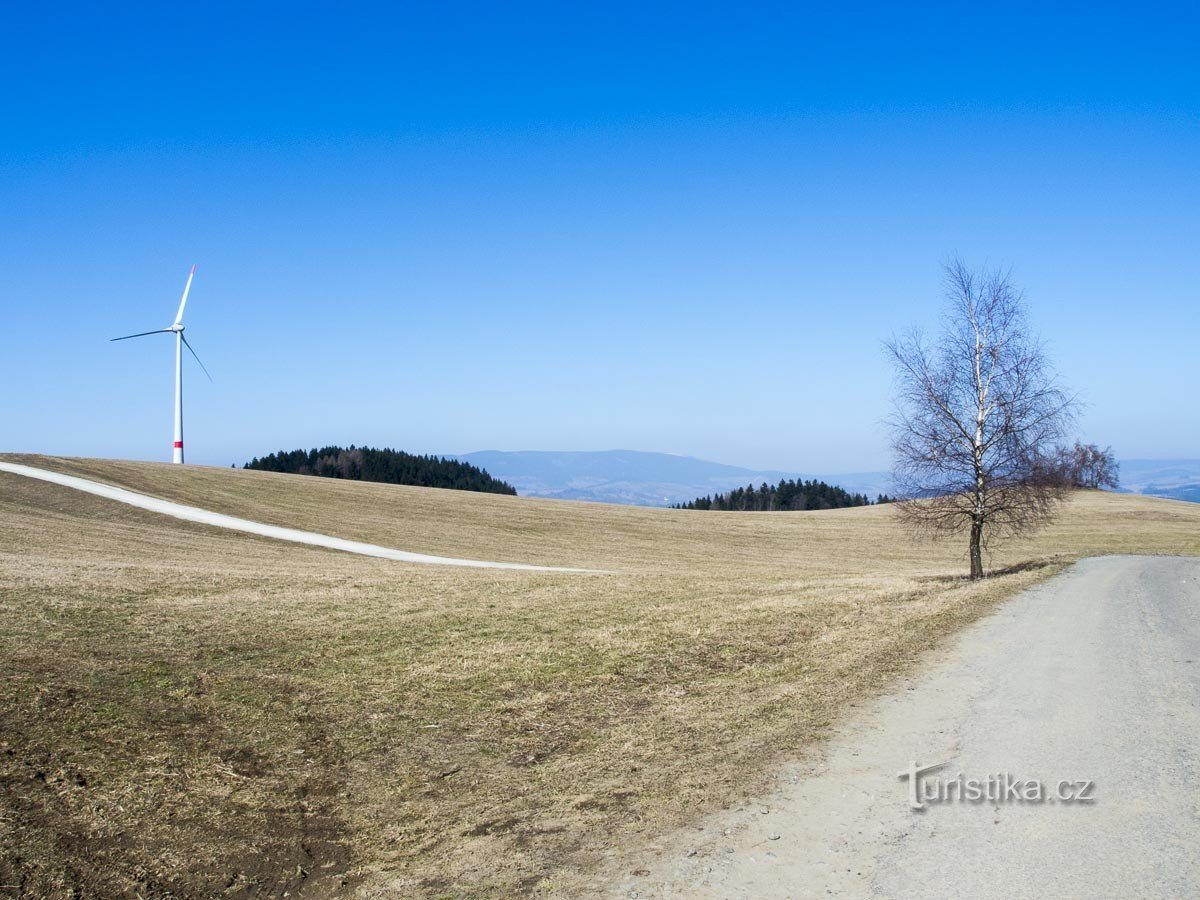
(1093, 677)
(220, 520)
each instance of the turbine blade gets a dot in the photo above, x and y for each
(183, 301)
(193, 352)
(140, 334)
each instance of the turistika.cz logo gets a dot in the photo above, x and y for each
(999, 788)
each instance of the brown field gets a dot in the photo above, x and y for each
(191, 712)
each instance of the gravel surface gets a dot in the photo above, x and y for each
(1092, 677)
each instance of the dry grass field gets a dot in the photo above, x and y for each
(191, 712)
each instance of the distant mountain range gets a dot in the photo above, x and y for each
(661, 479)
(1178, 479)
(640, 478)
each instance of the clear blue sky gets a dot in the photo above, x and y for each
(550, 226)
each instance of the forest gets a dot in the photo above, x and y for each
(788, 495)
(387, 466)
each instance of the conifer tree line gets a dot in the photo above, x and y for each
(788, 495)
(387, 466)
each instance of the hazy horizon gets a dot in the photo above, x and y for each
(789, 470)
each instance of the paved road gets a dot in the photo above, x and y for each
(220, 520)
(1092, 677)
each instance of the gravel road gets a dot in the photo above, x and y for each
(1093, 677)
(220, 520)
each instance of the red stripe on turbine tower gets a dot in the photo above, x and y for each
(179, 445)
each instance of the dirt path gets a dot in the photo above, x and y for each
(1091, 678)
(220, 520)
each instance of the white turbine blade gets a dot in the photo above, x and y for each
(193, 352)
(183, 301)
(140, 334)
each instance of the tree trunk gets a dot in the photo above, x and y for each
(976, 550)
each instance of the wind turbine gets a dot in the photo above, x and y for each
(176, 328)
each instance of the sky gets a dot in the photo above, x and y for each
(675, 227)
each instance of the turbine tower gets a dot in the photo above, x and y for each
(176, 328)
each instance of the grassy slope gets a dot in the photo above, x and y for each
(188, 710)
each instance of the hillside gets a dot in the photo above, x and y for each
(306, 717)
(549, 532)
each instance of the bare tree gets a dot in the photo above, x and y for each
(976, 414)
(1087, 466)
